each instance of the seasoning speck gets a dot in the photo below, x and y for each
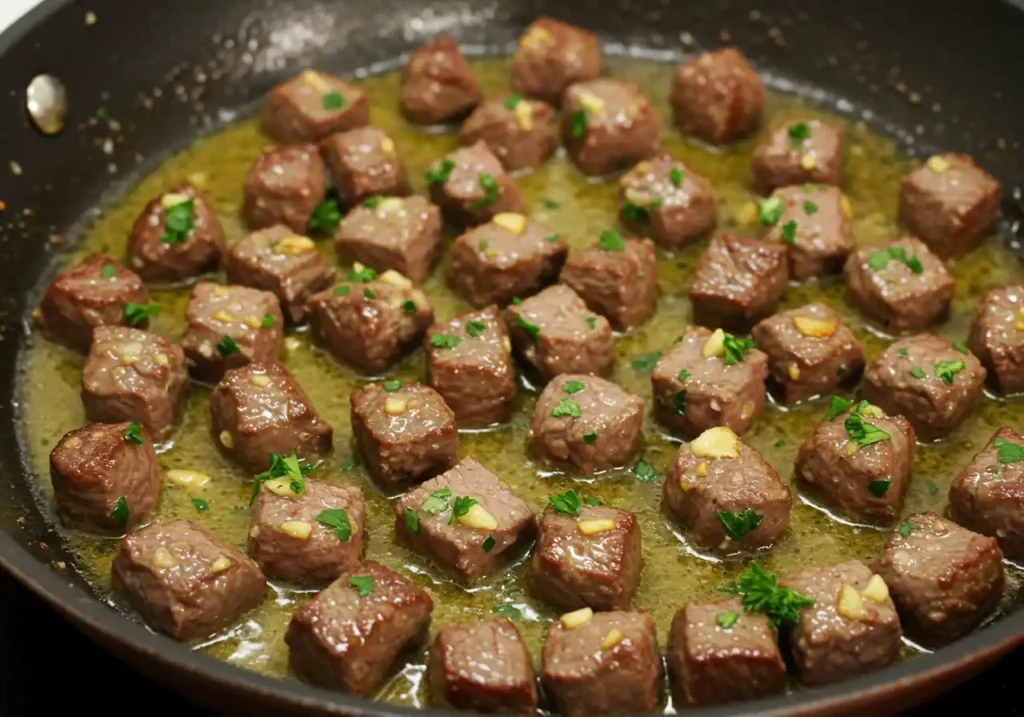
(90, 18)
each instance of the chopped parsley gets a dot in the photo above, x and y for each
(492, 192)
(337, 519)
(917, 372)
(644, 363)
(878, 260)
(611, 240)
(227, 346)
(326, 216)
(268, 322)
(437, 502)
(368, 294)
(676, 176)
(933, 489)
(593, 502)
(532, 330)
(947, 370)
(798, 133)
(475, 328)
(566, 407)
(350, 465)
(592, 322)
(567, 502)
(120, 511)
(862, 433)
(737, 525)
(590, 438)
(488, 544)
(735, 348)
(879, 486)
(512, 100)
(635, 213)
(780, 443)
(1007, 451)
(679, 402)
(549, 204)
(769, 211)
(179, 221)
(342, 290)
(333, 101)
(108, 271)
(409, 306)
(291, 467)
(392, 385)
(727, 619)
(644, 471)
(578, 128)
(445, 341)
(508, 611)
(838, 405)
(959, 346)
(903, 352)
(442, 173)
(412, 520)
(372, 202)
(200, 505)
(133, 434)
(789, 231)
(760, 592)
(573, 386)
(907, 528)
(362, 583)
(810, 208)
(684, 374)
(137, 314)
(553, 239)
(461, 506)
(362, 276)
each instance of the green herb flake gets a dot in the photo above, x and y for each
(863, 433)
(918, 372)
(737, 525)
(137, 314)
(578, 127)
(133, 434)
(932, 487)
(442, 173)
(512, 100)
(593, 502)
(590, 438)
(947, 370)
(798, 133)
(475, 328)
(902, 352)
(336, 519)
(727, 619)
(780, 443)
(368, 294)
(483, 245)
(361, 276)
(291, 467)
(333, 101)
(611, 240)
(566, 407)
(108, 271)
(959, 346)
(508, 611)
(392, 385)
(676, 176)
(549, 204)
(488, 544)
(372, 202)
(200, 505)
(810, 208)
(268, 322)
(437, 502)
(553, 239)
(635, 213)
(644, 471)
(567, 502)
(789, 231)
(516, 301)
(878, 260)
(592, 322)
(1007, 451)
(412, 520)
(644, 363)
(362, 583)
(120, 511)
(461, 506)
(838, 405)
(679, 402)
(684, 374)
(906, 528)
(769, 211)
(571, 387)
(227, 346)
(879, 486)
(179, 221)
(409, 306)
(532, 330)
(445, 341)
(326, 216)
(760, 592)
(492, 192)
(735, 348)
(342, 290)
(350, 465)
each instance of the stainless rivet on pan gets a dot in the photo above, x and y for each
(47, 102)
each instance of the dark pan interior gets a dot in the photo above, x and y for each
(935, 74)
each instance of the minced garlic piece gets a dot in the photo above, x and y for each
(395, 279)
(590, 102)
(173, 199)
(395, 406)
(387, 145)
(717, 442)
(808, 162)
(595, 526)
(938, 164)
(299, 529)
(477, 518)
(524, 115)
(613, 638)
(576, 618)
(794, 372)
(515, 223)
(226, 440)
(187, 478)
(702, 469)
(162, 558)
(224, 317)
(314, 80)
(261, 379)
(715, 345)
(815, 328)
(850, 604)
(221, 564)
(294, 244)
(390, 204)
(876, 590)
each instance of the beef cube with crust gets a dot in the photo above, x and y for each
(284, 186)
(902, 286)
(951, 203)
(466, 520)
(813, 221)
(997, 337)
(606, 663)
(471, 186)
(608, 125)
(437, 84)
(134, 375)
(666, 200)
(406, 433)
(351, 635)
(400, 233)
(552, 55)
(260, 409)
(88, 295)
(811, 352)
(521, 132)
(927, 379)
(944, 579)
(717, 96)
(617, 278)
(364, 163)
(184, 581)
(800, 152)
(311, 106)
(481, 666)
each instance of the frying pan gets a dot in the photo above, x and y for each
(932, 74)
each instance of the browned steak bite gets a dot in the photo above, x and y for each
(134, 375)
(92, 293)
(851, 629)
(400, 233)
(508, 257)
(106, 477)
(800, 152)
(279, 260)
(469, 360)
(587, 421)
(813, 221)
(177, 236)
(664, 199)
(902, 286)
(551, 56)
(617, 278)
(719, 653)
(951, 203)
(260, 409)
(943, 578)
(521, 132)
(608, 125)
(709, 379)
(437, 84)
(586, 556)
(738, 281)
(466, 520)
(928, 380)
(312, 536)
(184, 581)
(988, 495)
(482, 666)
(471, 186)
(311, 106)
(811, 352)
(554, 333)
(229, 326)
(717, 96)
(729, 498)
(997, 337)
(350, 636)
(364, 163)
(605, 663)
(405, 432)
(283, 186)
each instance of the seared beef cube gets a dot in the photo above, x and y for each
(589, 559)
(608, 665)
(177, 236)
(902, 286)
(944, 579)
(551, 56)
(482, 666)
(508, 257)
(90, 294)
(801, 152)
(311, 537)
(350, 636)
(608, 125)
(184, 581)
(588, 421)
(469, 360)
(400, 233)
(406, 433)
(364, 163)
(718, 652)
(717, 96)
(521, 132)
(105, 477)
(728, 497)
(812, 220)
(927, 379)
(134, 375)
(259, 409)
(997, 337)
(471, 186)
(738, 281)
(437, 84)
(811, 352)
(229, 326)
(311, 106)
(664, 199)
(699, 383)
(279, 260)
(951, 203)
(284, 186)
(466, 520)
(618, 278)
(986, 496)
(851, 629)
